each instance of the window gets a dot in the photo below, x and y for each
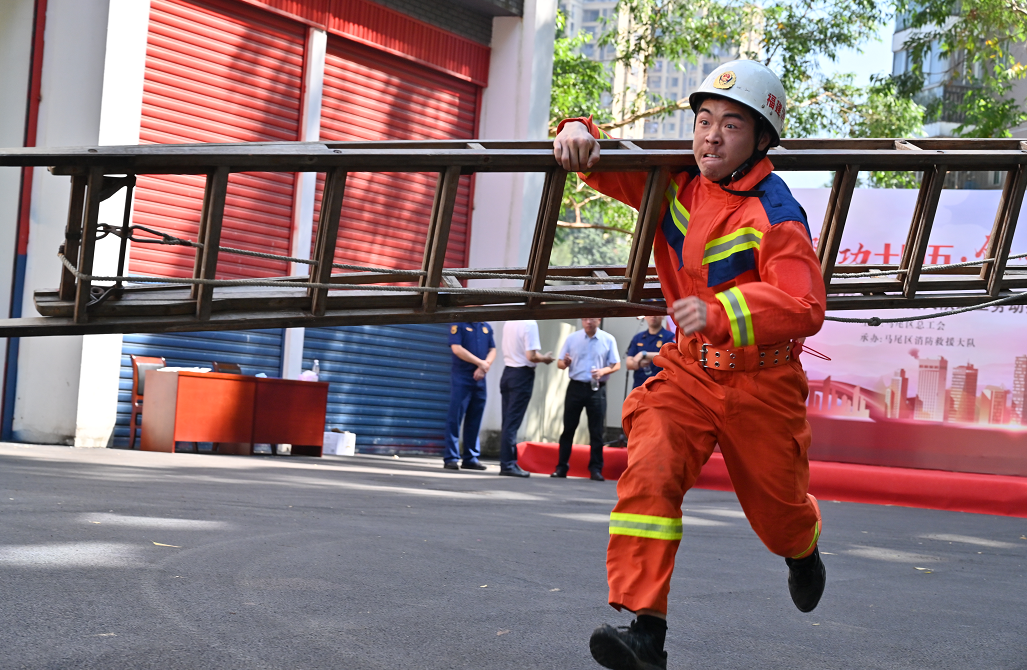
(588, 50)
(657, 66)
(898, 64)
(655, 81)
(670, 127)
(590, 15)
(673, 82)
(708, 67)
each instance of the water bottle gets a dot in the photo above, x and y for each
(595, 379)
(316, 369)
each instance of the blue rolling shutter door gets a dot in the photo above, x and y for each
(254, 350)
(388, 384)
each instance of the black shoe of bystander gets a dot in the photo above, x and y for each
(514, 471)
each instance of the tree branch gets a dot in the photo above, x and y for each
(594, 226)
(674, 106)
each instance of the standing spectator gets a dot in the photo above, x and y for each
(643, 349)
(521, 348)
(590, 357)
(474, 349)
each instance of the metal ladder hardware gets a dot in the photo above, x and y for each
(334, 293)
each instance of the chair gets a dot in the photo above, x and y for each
(140, 366)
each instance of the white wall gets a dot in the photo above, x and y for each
(120, 116)
(514, 106)
(46, 406)
(15, 55)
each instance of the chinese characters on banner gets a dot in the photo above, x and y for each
(944, 393)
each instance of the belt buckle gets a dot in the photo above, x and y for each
(702, 354)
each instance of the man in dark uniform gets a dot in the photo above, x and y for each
(644, 347)
(474, 349)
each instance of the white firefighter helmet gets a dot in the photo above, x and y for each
(750, 83)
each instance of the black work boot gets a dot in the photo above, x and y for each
(627, 648)
(806, 580)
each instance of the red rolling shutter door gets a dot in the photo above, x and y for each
(370, 95)
(219, 74)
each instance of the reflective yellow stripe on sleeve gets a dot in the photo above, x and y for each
(642, 525)
(738, 316)
(740, 240)
(678, 213)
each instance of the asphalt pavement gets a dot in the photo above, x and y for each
(119, 559)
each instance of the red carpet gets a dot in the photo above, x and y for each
(930, 489)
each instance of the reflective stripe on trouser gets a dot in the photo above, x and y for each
(673, 422)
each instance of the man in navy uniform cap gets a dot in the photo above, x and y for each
(474, 349)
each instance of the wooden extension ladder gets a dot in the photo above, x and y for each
(86, 304)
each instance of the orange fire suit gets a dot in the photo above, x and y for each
(737, 384)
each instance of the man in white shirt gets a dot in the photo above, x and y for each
(521, 347)
(590, 357)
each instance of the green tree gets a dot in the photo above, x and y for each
(578, 82)
(976, 39)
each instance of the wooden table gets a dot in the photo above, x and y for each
(182, 406)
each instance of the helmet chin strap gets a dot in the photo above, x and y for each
(743, 169)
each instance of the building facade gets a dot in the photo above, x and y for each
(114, 72)
(944, 89)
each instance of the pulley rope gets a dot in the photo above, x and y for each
(458, 274)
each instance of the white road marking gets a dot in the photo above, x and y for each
(166, 523)
(72, 555)
(969, 539)
(892, 555)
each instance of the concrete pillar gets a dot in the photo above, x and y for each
(306, 189)
(120, 116)
(92, 80)
(515, 105)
